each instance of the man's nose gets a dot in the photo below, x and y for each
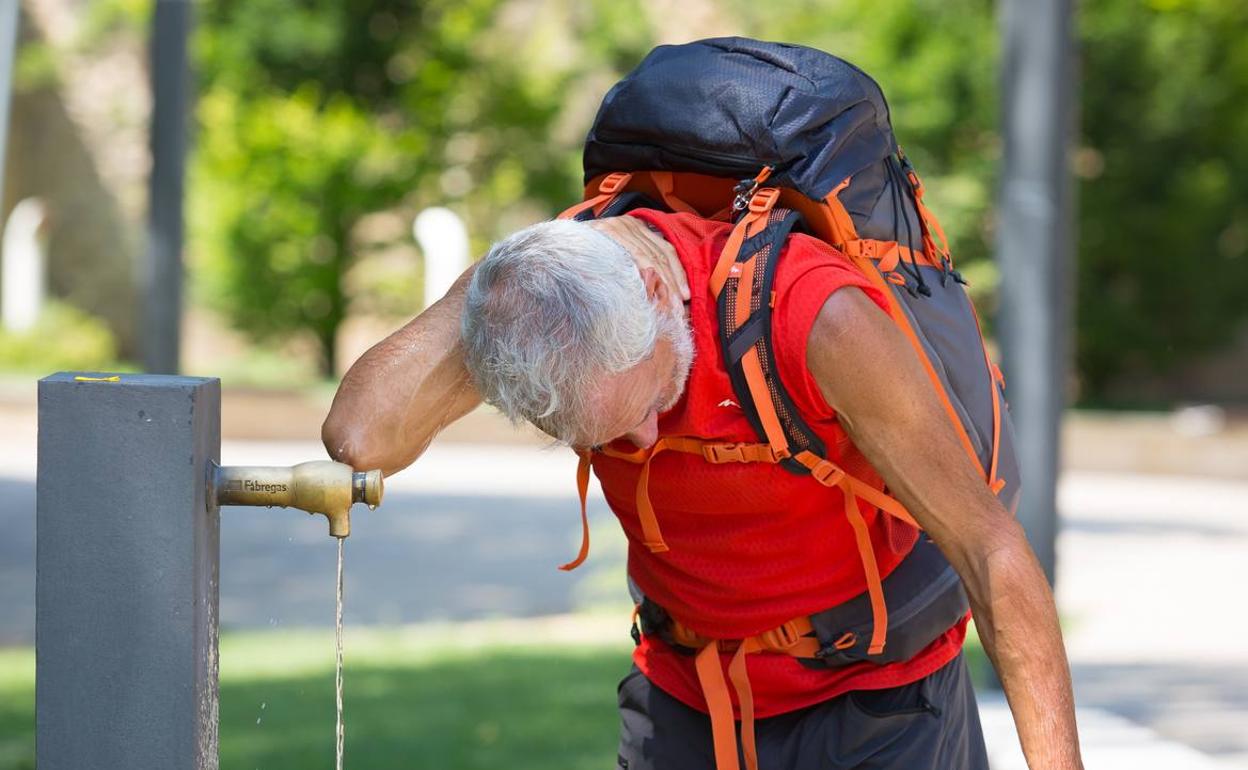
(645, 436)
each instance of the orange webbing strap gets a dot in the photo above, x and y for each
(830, 474)
(887, 253)
(763, 405)
(751, 224)
(611, 184)
(719, 706)
(666, 185)
(745, 287)
(790, 639)
(875, 587)
(582, 489)
(994, 377)
(994, 483)
(745, 699)
(890, 505)
(651, 534)
(653, 538)
(843, 230)
(930, 222)
(713, 452)
(716, 452)
(739, 453)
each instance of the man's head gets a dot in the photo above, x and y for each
(560, 328)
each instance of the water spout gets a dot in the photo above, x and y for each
(322, 486)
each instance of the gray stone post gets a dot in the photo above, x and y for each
(127, 564)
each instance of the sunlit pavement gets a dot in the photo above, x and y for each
(1149, 581)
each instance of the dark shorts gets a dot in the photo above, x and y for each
(932, 723)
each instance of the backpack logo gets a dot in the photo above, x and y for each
(728, 402)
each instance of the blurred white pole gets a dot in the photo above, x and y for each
(444, 241)
(22, 266)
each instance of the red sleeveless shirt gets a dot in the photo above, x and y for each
(754, 545)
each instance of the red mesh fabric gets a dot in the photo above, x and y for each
(753, 545)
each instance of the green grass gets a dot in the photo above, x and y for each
(17, 709)
(412, 700)
(438, 698)
(419, 702)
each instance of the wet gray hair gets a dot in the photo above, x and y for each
(549, 311)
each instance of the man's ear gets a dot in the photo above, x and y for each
(656, 290)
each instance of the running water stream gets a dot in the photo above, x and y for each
(339, 733)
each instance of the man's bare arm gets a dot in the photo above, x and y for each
(870, 375)
(403, 391)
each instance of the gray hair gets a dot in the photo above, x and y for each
(549, 311)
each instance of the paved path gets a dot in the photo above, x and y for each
(1148, 579)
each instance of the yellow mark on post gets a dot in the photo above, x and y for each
(114, 378)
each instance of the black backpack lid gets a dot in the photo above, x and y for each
(728, 106)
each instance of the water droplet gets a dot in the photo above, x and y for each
(372, 507)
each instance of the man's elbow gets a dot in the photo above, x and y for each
(348, 442)
(1004, 567)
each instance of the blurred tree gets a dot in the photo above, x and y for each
(1163, 204)
(318, 113)
(283, 181)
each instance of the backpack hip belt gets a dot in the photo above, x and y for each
(926, 599)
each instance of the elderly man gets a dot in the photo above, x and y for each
(602, 335)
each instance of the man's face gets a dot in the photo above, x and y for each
(628, 404)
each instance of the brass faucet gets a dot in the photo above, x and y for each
(321, 486)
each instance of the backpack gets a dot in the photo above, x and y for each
(774, 137)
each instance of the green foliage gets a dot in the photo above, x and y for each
(36, 67)
(281, 181)
(1163, 204)
(63, 338)
(317, 114)
(482, 105)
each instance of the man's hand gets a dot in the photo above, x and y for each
(648, 249)
(868, 372)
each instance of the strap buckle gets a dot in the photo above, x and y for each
(780, 637)
(614, 182)
(764, 200)
(724, 453)
(827, 473)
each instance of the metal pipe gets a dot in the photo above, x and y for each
(322, 486)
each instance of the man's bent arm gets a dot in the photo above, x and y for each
(403, 391)
(871, 376)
